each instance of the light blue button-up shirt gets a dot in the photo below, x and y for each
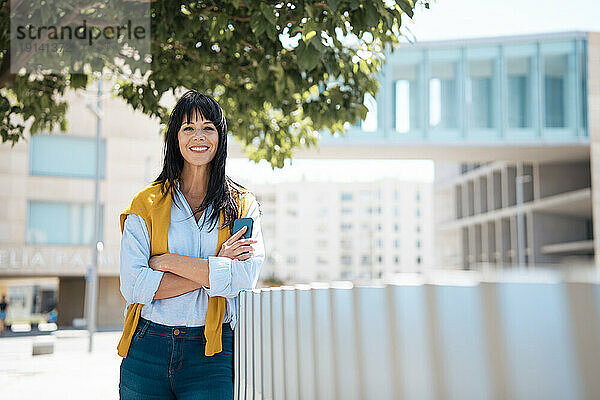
(227, 277)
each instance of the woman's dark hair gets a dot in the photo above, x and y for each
(221, 188)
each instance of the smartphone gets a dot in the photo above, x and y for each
(238, 223)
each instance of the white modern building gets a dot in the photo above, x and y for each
(338, 230)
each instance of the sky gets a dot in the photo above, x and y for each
(446, 19)
(454, 19)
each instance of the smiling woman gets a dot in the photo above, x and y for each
(182, 267)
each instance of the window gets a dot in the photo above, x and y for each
(345, 227)
(346, 244)
(396, 211)
(291, 260)
(291, 212)
(379, 243)
(419, 260)
(397, 243)
(418, 212)
(322, 228)
(346, 211)
(379, 227)
(396, 228)
(407, 97)
(520, 88)
(418, 196)
(379, 259)
(555, 90)
(270, 260)
(365, 260)
(418, 228)
(61, 223)
(61, 155)
(322, 244)
(406, 105)
(443, 92)
(481, 93)
(321, 260)
(346, 260)
(292, 196)
(396, 260)
(418, 244)
(346, 196)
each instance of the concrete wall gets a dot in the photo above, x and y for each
(558, 178)
(593, 91)
(553, 228)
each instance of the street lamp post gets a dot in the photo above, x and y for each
(97, 245)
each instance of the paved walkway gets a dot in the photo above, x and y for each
(69, 373)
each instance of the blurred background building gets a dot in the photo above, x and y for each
(488, 111)
(510, 123)
(339, 230)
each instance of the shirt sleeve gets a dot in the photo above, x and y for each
(139, 282)
(228, 277)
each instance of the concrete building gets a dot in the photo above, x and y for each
(487, 111)
(46, 223)
(478, 207)
(337, 230)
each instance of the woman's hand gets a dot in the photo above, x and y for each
(237, 249)
(162, 262)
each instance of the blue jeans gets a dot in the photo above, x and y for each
(168, 362)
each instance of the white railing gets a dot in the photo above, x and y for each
(420, 339)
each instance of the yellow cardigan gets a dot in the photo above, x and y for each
(155, 208)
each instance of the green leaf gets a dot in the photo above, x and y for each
(79, 81)
(308, 56)
(406, 6)
(269, 13)
(257, 25)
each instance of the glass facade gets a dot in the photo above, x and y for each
(443, 92)
(61, 223)
(61, 155)
(523, 89)
(520, 89)
(482, 88)
(555, 91)
(407, 98)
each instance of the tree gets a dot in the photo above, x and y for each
(281, 71)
